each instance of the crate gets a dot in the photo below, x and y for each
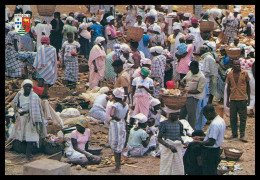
(46, 10)
(134, 34)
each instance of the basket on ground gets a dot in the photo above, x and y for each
(52, 148)
(233, 155)
(206, 26)
(233, 53)
(46, 10)
(134, 34)
(174, 102)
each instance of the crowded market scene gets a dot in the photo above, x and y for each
(129, 89)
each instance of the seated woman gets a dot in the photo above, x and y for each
(138, 139)
(77, 152)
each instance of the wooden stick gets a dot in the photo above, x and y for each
(10, 97)
(53, 155)
(9, 143)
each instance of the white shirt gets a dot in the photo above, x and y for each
(101, 101)
(216, 131)
(139, 81)
(140, 26)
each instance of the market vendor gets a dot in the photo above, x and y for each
(77, 152)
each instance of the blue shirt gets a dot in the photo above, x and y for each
(146, 39)
(97, 30)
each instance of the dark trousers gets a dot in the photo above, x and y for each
(238, 107)
(190, 109)
(84, 47)
(210, 159)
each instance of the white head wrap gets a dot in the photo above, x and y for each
(236, 10)
(125, 48)
(176, 26)
(103, 90)
(169, 111)
(159, 49)
(212, 44)
(141, 118)
(69, 18)
(157, 28)
(173, 14)
(110, 18)
(155, 102)
(145, 61)
(187, 15)
(26, 81)
(119, 92)
(63, 16)
(246, 19)
(152, 49)
(99, 39)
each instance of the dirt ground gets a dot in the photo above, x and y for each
(145, 165)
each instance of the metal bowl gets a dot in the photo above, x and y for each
(95, 151)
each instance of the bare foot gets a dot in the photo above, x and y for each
(114, 171)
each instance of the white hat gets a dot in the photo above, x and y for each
(103, 90)
(157, 28)
(110, 18)
(69, 18)
(63, 16)
(169, 111)
(173, 14)
(141, 118)
(176, 26)
(159, 49)
(99, 39)
(125, 48)
(236, 10)
(119, 92)
(187, 15)
(155, 102)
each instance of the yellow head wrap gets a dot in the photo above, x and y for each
(83, 122)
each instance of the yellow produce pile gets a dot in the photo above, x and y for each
(174, 92)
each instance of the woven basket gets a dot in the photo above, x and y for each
(46, 10)
(50, 149)
(134, 34)
(231, 155)
(59, 91)
(233, 53)
(206, 26)
(174, 102)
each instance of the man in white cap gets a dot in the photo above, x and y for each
(138, 138)
(169, 137)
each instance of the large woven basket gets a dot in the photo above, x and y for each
(46, 10)
(207, 26)
(174, 102)
(134, 34)
(232, 155)
(233, 53)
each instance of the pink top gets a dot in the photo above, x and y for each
(246, 64)
(82, 139)
(183, 65)
(111, 30)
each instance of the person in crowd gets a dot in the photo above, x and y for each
(117, 128)
(131, 15)
(142, 88)
(139, 23)
(30, 125)
(69, 28)
(45, 62)
(97, 29)
(238, 98)
(126, 57)
(78, 153)
(111, 36)
(120, 27)
(122, 78)
(69, 51)
(138, 140)
(43, 28)
(158, 69)
(230, 25)
(195, 31)
(248, 29)
(145, 43)
(98, 110)
(63, 18)
(169, 137)
(13, 65)
(251, 18)
(183, 64)
(181, 49)
(56, 32)
(155, 111)
(110, 58)
(145, 62)
(96, 62)
(210, 146)
(168, 72)
(210, 70)
(84, 39)
(196, 82)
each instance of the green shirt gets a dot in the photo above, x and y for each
(136, 137)
(68, 28)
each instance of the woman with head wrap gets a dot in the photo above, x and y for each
(145, 62)
(251, 18)
(69, 28)
(63, 18)
(12, 64)
(98, 29)
(143, 44)
(85, 38)
(42, 28)
(117, 129)
(111, 36)
(30, 124)
(97, 62)
(45, 62)
(139, 139)
(158, 69)
(248, 29)
(69, 52)
(142, 88)
(139, 23)
(230, 24)
(56, 32)
(195, 31)
(155, 111)
(156, 37)
(110, 58)
(77, 152)
(132, 11)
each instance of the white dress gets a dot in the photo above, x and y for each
(198, 41)
(46, 28)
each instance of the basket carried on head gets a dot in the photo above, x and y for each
(233, 53)
(206, 26)
(174, 102)
(232, 155)
(134, 34)
(46, 10)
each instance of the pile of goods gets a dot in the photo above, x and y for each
(53, 144)
(173, 98)
(174, 92)
(228, 168)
